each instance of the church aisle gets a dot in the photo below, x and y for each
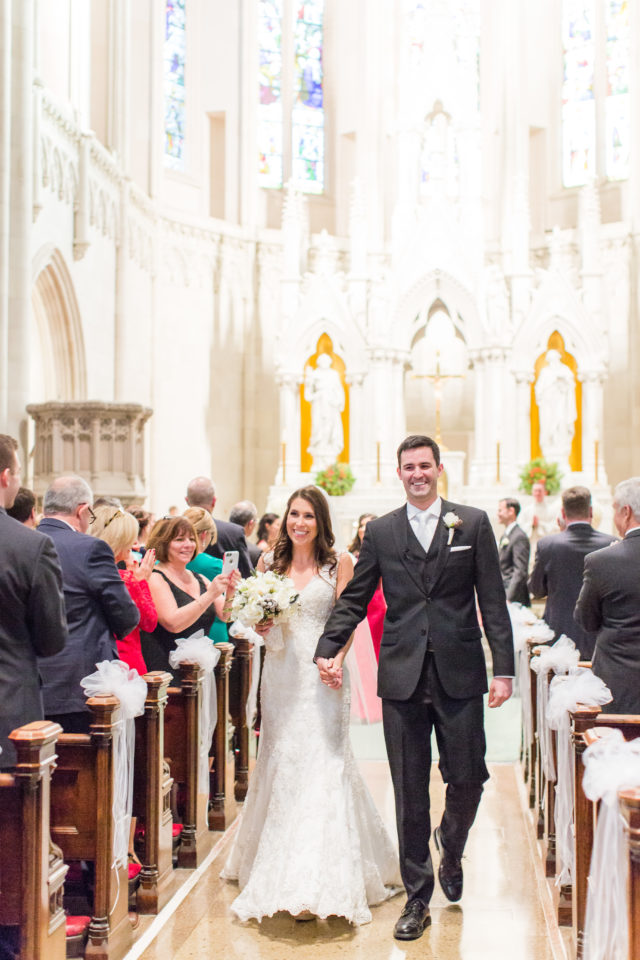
(501, 914)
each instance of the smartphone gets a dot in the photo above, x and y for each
(230, 561)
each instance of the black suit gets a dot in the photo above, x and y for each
(514, 564)
(557, 575)
(231, 537)
(432, 671)
(255, 552)
(32, 624)
(609, 603)
(98, 608)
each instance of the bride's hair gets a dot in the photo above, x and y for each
(323, 544)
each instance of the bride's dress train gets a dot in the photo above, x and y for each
(310, 837)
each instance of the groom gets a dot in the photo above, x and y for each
(434, 558)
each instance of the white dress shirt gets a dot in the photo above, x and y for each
(424, 522)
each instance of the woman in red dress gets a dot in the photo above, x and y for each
(365, 703)
(120, 531)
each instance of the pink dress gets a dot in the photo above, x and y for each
(129, 649)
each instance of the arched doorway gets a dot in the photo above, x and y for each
(59, 328)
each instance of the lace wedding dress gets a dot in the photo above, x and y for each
(310, 837)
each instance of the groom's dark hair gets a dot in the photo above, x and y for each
(417, 440)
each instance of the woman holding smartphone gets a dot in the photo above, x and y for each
(186, 602)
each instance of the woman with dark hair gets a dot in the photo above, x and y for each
(311, 841)
(267, 532)
(186, 602)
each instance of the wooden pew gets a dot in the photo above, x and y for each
(152, 798)
(181, 739)
(586, 722)
(630, 809)
(82, 792)
(220, 814)
(243, 656)
(31, 871)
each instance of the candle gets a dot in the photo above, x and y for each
(498, 462)
(378, 462)
(284, 462)
(596, 460)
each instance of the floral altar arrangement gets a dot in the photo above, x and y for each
(543, 471)
(336, 480)
(264, 596)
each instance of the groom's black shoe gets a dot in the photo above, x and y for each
(413, 920)
(449, 871)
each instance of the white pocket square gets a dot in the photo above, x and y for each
(460, 548)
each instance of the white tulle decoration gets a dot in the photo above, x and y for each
(561, 657)
(610, 764)
(522, 621)
(565, 694)
(115, 678)
(248, 633)
(201, 650)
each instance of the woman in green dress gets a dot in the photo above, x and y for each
(204, 563)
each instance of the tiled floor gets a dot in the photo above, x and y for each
(502, 913)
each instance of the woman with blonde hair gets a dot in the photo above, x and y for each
(120, 530)
(203, 562)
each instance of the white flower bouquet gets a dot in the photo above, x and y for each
(264, 596)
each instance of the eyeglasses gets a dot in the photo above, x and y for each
(92, 516)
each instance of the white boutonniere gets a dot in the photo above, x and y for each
(504, 542)
(452, 521)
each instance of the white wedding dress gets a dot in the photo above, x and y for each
(310, 837)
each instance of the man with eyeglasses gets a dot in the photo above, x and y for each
(99, 608)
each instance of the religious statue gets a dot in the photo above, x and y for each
(324, 391)
(556, 399)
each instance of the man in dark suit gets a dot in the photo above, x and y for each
(245, 514)
(434, 557)
(513, 553)
(559, 565)
(202, 493)
(32, 617)
(98, 606)
(609, 603)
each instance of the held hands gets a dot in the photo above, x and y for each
(263, 628)
(331, 670)
(499, 691)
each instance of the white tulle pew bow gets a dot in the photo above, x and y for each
(611, 764)
(526, 626)
(566, 694)
(201, 650)
(561, 657)
(114, 677)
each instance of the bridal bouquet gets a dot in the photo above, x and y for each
(264, 596)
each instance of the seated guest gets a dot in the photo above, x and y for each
(609, 603)
(32, 617)
(245, 514)
(119, 529)
(98, 606)
(24, 508)
(559, 565)
(186, 602)
(204, 563)
(514, 553)
(268, 530)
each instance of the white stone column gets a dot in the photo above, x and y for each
(523, 379)
(119, 83)
(592, 403)
(382, 423)
(289, 384)
(120, 373)
(21, 192)
(357, 417)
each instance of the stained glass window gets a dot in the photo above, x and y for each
(595, 105)
(617, 108)
(578, 98)
(307, 116)
(174, 68)
(270, 128)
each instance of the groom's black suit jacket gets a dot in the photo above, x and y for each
(430, 600)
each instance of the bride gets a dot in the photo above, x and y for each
(310, 841)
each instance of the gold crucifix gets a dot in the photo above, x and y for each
(438, 379)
